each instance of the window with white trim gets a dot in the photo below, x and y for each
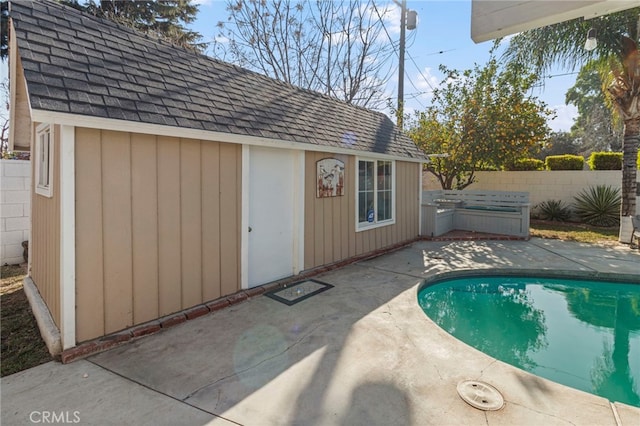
(376, 193)
(44, 160)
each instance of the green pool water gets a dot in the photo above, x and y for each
(583, 334)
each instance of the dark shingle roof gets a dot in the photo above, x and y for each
(77, 63)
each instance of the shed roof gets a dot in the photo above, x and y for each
(77, 63)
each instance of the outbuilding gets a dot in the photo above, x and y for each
(164, 179)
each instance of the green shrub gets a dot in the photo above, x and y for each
(598, 205)
(564, 162)
(526, 164)
(553, 210)
(605, 161)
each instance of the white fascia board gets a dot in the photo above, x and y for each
(244, 218)
(67, 237)
(181, 132)
(491, 19)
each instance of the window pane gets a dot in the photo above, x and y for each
(384, 190)
(45, 159)
(365, 190)
(362, 175)
(384, 175)
(369, 181)
(384, 205)
(365, 206)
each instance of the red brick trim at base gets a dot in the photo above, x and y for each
(110, 341)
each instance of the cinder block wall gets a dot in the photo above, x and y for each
(15, 209)
(541, 185)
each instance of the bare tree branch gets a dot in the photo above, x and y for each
(336, 48)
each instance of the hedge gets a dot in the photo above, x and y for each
(605, 161)
(526, 164)
(564, 162)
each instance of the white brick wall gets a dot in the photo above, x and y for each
(541, 185)
(15, 208)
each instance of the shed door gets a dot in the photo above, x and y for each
(271, 215)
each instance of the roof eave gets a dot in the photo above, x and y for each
(70, 119)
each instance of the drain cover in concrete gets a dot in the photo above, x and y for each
(297, 292)
(480, 395)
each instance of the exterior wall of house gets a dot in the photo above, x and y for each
(157, 226)
(44, 247)
(20, 135)
(330, 228)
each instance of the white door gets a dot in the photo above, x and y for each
(271, 215)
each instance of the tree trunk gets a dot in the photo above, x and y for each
(629, 166)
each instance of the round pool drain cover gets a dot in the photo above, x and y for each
(480, 395)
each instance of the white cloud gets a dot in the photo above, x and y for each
(426, 82)
(566, 114)
(391, 18)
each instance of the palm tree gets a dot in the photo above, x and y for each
(618, 35)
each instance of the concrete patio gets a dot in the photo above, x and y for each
(361, 353)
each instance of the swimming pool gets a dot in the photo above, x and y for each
(581, 333)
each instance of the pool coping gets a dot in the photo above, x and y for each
(538, 273)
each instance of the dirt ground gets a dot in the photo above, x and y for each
(22, 347)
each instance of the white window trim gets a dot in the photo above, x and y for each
(46, 191)
(365, 226)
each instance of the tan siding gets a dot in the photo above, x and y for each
(157, 226)
(191, 222)
(327, 229)
(211, 288)
(89, 245)
(330, 230)
(169, 264)
(336, 227)
(230, 156)
(117, 231)
(144, 220)
(44, 247)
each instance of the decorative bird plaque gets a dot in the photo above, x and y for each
(330, 173)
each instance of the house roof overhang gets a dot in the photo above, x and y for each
(492, 19)
(101, 123)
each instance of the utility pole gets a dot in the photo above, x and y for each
(407, 21)
(400, 112)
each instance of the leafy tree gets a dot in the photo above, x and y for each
(559, 143)
(596, 127)
(480, 118)
(338, 48)
(4, 33)
(617, 49)
(164, 19)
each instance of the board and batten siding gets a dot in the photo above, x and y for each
(44, 247)
(157, 226)
(330, 223)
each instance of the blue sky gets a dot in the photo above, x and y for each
(443, 26)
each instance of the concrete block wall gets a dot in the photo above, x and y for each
(15, 209)
(541, 185)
